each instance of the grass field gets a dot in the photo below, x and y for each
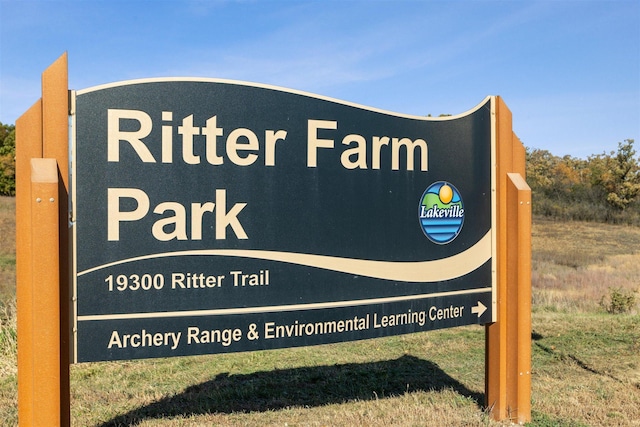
(586, 361)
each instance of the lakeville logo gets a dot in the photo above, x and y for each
(441, 212)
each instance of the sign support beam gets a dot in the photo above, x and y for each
(519, 210)
(28, 146)
(45, 284)
(42, 235)
(508, 340)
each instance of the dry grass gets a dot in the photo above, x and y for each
(7, 248)
(7, 287)
(587, 368)
(576, 264)
(410, 409)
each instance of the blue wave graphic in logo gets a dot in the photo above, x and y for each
(441, 212)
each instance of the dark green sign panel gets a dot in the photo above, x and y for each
(214, 216)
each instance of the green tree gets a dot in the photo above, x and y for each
(7, 160)
(540, 164)
(618, 174)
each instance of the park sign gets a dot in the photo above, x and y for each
(168, 217)
(217, 216)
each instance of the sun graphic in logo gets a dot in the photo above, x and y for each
(441, 212)
(445, 194)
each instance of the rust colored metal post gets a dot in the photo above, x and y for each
(496, 333)
(28, 146)
(45, 284)
(519, 157)
(42, 252)
(520, 213)
(508, 340)
(55, 145)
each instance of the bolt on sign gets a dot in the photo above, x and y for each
(218, 216)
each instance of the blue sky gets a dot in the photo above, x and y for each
(568, 70)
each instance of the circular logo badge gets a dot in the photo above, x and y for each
(441, 212)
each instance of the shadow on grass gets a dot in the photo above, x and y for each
(312, 386)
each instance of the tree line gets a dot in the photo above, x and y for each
(7, 160)
(604, 187)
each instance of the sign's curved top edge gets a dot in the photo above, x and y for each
(281, 89)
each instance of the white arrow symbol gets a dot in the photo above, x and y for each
(479, 309)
